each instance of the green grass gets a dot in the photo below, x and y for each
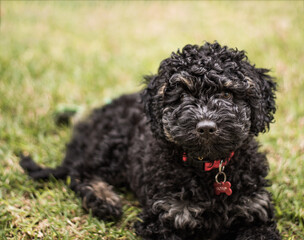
(66, 53)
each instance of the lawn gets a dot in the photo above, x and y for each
(83, 54)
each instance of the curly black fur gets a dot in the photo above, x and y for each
(119, 145)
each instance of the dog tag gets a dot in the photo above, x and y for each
(222, 187)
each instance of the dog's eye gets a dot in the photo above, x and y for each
(226, 95)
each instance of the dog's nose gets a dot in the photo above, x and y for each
(206, 128)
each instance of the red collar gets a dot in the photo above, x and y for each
(207, 166)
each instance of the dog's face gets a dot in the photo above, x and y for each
(208, 100)
(207, 119)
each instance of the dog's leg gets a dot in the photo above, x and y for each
(150, 228)
(98, 196)
(169, 218)
(258, 211)
(267, 231)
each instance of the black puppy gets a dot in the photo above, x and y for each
(185, 146)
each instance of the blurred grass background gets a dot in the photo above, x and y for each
(85, 53)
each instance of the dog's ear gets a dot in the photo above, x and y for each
(148, 94)
(152, 98)
(262, 101)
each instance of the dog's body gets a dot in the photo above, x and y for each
(205, 102)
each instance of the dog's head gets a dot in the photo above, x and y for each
(208, 100)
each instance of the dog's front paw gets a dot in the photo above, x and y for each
(150, 228)
(259, 233)
(182, 215)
